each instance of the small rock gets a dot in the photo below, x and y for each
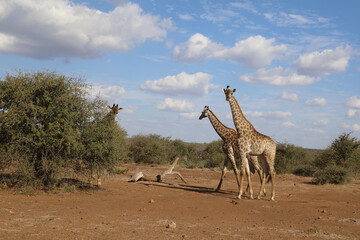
(151, 201)
(184, 236)
(323, 211)
(171, 224)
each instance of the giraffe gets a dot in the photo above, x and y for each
(253, 143)
(229, 137)
(114, 110)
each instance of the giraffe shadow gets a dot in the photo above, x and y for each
(193, 188)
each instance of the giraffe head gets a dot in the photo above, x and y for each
(204, 113)
(228, 92)
(115, 109)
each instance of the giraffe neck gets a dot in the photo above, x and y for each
(220, 128)
(239, 119)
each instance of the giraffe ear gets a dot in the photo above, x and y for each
(224, 90)
(234, 90)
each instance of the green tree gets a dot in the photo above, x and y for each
(336, 163)
(150, 149)
(103, 140)
(343, 147)
(45, 120)
(213, 155)
(289, 157)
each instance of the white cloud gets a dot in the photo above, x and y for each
(353, 114)
(109, 93)
(287, 19)
(253, 52)
(289, 96)
(247, 5)
(278, 77)
(352, 102)
(174, 105)
(314, 130)
(197, 48)
(218, 14)
(270, 115)
(190, 115)
(316, 102)
(321, 122)
(197, 84)
(324, 63)
(186, 17)
(60, 28)
(289, 125)
(355, 127)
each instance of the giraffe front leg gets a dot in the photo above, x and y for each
(236, 171)
(241, 183)
(262, 191)
(249, 181)
(223, 173)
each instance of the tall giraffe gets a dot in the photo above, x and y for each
(253, 143)
(114, 110)
(230, 147)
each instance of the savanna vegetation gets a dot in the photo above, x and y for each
(50, 130)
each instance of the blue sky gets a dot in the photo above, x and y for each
(295, 64)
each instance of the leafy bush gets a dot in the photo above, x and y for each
(326, 158)
(290, 157)
(343, 147)
(213, 155)
(154, 149)
(47, 124)
(151, 149)
(41, 116)
(331, 174)
(354, 163)
(338, 162)
(304, 170)
(104, 143)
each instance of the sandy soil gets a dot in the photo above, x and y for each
(145, 210)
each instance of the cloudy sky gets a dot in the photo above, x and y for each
(295, 64)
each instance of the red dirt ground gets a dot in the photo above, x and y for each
(143, 210)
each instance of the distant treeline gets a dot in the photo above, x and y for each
(51, 130)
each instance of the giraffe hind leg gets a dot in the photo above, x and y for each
(223, 173)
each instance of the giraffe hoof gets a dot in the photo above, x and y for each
(272, 199)
(217, 190)
(251, 197)
(258, 197)
(238, 197)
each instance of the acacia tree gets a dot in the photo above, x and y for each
(103, 140)
(43, 118)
